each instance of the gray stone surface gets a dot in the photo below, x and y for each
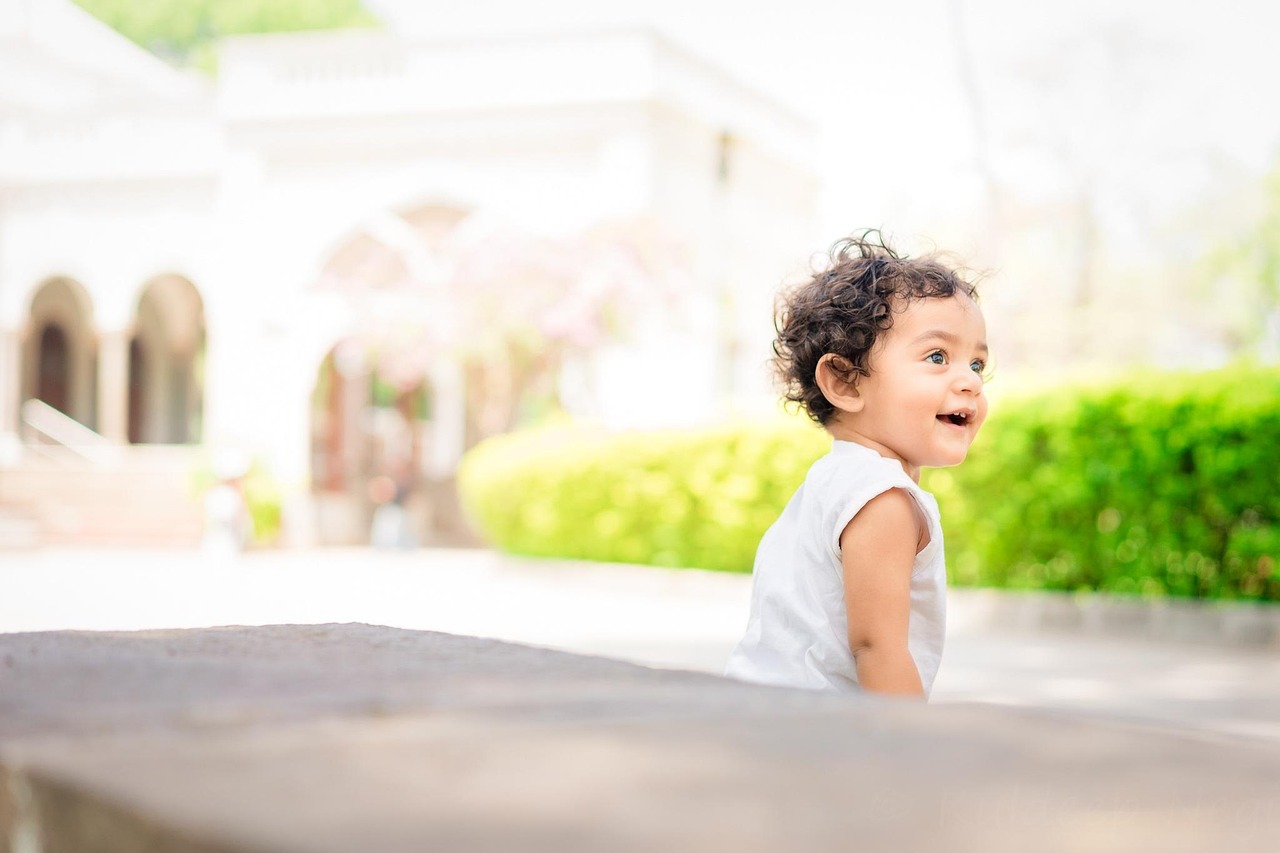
(999, 648)
(354, 737)
(80, 682)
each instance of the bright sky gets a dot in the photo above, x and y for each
(1154, 99)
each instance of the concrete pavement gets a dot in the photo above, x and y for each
(664, 618)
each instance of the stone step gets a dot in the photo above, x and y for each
(145, 499)
(121, 527)
(23, 485)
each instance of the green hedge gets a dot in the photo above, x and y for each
(682, 498)
(1164, 484)
(1157, 484)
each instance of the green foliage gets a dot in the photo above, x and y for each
(1164, 484)
(692, 498)
(184, 31)
(263, 500)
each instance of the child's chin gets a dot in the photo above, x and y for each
(949, 461)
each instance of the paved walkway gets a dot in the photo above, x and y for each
(665, 618)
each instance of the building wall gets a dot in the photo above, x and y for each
(312, 141)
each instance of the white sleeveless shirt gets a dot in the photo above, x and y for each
(797, 633)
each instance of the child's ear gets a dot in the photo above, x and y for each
(838, 381)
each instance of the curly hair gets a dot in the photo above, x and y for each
(845, 308)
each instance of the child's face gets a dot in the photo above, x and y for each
(923, 401)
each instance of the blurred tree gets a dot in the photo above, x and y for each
(1079, 162)
(531, 303)
(1241, 277)
(511, 307)
(185, 32)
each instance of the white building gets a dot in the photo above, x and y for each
(163, 239)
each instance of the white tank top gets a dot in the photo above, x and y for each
(797, 634)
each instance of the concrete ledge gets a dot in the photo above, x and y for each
(1226, 623)
(354, 737)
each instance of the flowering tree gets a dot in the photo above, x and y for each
(529, 303)
(510, 307)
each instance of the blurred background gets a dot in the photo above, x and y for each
(269, 270)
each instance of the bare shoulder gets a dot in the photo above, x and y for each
(892, 521)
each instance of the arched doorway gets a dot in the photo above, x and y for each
(341, 451)
(166, 356)
(53, 383)
(365, 431)
(338, 452)
(373, 410)
(137, 386)
(58, 351)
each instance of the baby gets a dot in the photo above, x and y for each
(888, 353)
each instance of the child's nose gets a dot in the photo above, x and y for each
(969, 380)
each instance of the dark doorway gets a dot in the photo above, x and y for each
(137, 386)
(54, 377)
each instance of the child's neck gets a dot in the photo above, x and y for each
(842, 432)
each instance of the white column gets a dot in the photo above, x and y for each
(449, 419)
(10, 390)
(113, 385)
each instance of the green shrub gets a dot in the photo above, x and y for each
(263, 499)
(679, 498)
(1162, 484)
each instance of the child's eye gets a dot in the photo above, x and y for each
(936, 357)
(978, 366)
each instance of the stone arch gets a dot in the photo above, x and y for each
(166, 363)
(377, 400)
(363, 427)
(340, 453)
(334, 240)
(364, 424)
(395, 247)
(59, 350)
(339, 398)
(400, 249)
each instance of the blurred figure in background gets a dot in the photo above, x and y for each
(228, 526)
(390, 527)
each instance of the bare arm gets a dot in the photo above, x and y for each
(878, 548)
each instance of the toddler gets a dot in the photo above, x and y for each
(888, 353)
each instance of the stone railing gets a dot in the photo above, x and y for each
(355, 73)
(52, 434)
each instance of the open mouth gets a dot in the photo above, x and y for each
(957, 418)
